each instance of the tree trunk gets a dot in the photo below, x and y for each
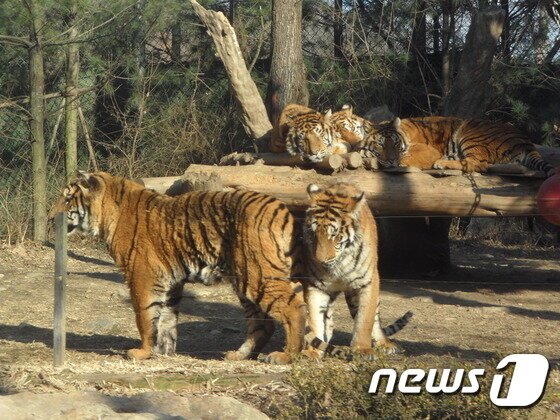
(540, 34)
(139, 45)
(409, 194)
(448, 34)
(253, 112)
(176, 42)
(506, 47)
(287, 83)
(419, 33)
(470, 93)
(338, 30)
(71, 103)
(469, 96)
(437, 33)
(553, 51)
(36, 108)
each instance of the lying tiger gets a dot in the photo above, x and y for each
(340, 235)
(302, 131)
(451, 143)
(426, 143)
(161, 242)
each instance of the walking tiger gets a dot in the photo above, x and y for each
(341, 246)
(161, 242)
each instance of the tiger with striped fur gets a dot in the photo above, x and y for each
(352, 128)
(161, 242)
(340, 237)
(302, 131)
(451, 143)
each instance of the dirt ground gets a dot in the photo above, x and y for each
(495, 301)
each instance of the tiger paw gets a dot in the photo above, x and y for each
(278, 358)
(311, 353)
(366, 354)
(448, 164)
(234, 356)
(139, 354)
(389, 347)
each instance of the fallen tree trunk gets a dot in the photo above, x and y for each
(411, 194)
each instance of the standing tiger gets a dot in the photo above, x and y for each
(340, 238)
(302, 131)
(161, 242)
(451, 143)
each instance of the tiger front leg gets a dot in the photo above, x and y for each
(362, 303)
(469, 164)
(318, 304)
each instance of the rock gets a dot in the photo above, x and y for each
(144, 406)
(101, 325)
(426, 299)
(121, 294)
(215, 332)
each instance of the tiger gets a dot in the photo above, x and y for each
(161, 242)
(471, 145)
(352, 128)
(340, 241)
(302, 131)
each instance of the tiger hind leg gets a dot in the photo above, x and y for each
(260, 329)
(155, 307)
(166, 323)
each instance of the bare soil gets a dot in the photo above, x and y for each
(495, 301)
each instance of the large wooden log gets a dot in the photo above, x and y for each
(389, 194)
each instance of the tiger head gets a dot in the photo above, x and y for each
(311, 136)
(387, 143)
(82, 200)
(331, 221)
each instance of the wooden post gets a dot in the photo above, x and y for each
(59, 331)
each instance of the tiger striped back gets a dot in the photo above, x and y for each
(453, 143)
(161, 242)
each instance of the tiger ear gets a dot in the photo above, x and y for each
(396, 123)
(82, 175)
(358, 202)
(348, 108)
(328, 114)
(86, 181)
(313, 190)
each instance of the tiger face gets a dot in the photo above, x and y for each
(386, 143)
(77, 200)
(311, 136)
(331, 221)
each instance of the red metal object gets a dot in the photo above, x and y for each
(548, 199)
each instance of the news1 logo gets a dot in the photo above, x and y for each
(526, 387)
